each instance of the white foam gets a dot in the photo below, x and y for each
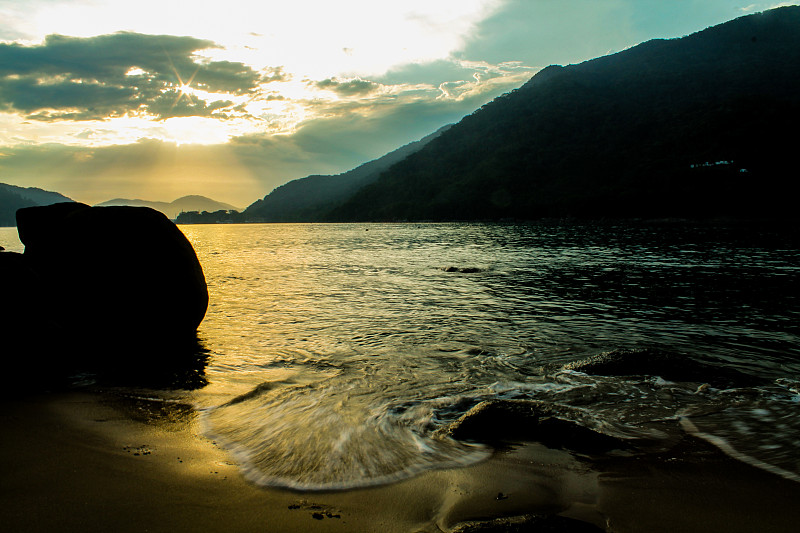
(729, 450)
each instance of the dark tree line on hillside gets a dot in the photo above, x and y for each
(13, 197)
(701, 126)
(222, 216)
(9, 203)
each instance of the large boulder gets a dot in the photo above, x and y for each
(28, 335)
(114, 279)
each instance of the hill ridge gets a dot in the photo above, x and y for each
(309, 199)
(623, 135)
(13, 197)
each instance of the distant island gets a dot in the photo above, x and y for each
(692, 128)
(174, 208)
(13, 198)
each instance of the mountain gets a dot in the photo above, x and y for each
(311, 198)
(174, 208)
(13, 198)
(701, 126)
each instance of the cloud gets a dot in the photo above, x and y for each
(458, 78)
(432, 73)
(353, 87)
(544, 33)
(65, 98)
(331, 125)
(246, 168)
(68, 78)
(173, 103)
(551, 32)
(355, 131)
(271, 74)
(765, 6)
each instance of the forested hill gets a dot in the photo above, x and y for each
(311, 198)
(13, 198)
(701, 126)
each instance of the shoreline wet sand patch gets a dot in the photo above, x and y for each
(69, 464)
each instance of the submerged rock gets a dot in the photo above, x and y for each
(462, 270)
(497, 421)
(667, 365)
(113, 280)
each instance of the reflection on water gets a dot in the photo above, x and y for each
(9, 239)
(178, 363)
(336, 351)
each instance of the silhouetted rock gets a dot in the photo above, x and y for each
(667, 365)
(117, 280)
(39, 227)
(27, 335)
(16, 278)
(499, 421)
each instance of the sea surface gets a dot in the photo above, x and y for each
(338, 353)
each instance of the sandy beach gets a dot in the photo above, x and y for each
(92, 462)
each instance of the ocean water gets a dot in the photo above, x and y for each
(338, 353)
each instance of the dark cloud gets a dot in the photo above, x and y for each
(68, 78)
(61, 97)
(175, 104)
(431, 73)
(354, 87)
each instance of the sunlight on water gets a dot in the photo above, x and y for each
(9, 239)
(338, 351)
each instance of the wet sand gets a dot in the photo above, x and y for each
(89, 462)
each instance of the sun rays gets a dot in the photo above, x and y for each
(183, 88)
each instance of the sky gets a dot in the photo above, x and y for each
(158, 99)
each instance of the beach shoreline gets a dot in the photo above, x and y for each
(86, 461)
